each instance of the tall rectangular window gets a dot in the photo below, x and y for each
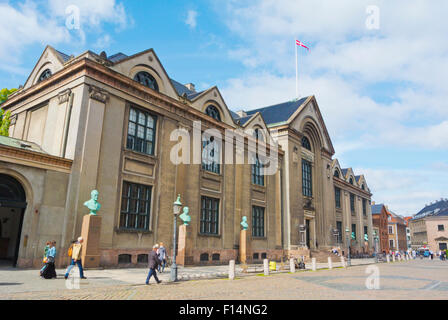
(390, 230)
(337, 197)
(352, 203)
(339, 227)
(257, 221)
(354, 230)
(141, 131)
(211, 155)
(135, 206)
(364, 207)
(209, 215)
(365, 230)
(257, 172)
(307, 178)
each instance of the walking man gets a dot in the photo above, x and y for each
(161, 253)
(76, 258)
(154, 261)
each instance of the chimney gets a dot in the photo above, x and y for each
(190, 87)
(241, 113)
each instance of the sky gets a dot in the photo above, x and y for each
(378, 69)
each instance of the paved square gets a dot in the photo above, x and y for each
(417, 279)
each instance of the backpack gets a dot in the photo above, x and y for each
(70, 251)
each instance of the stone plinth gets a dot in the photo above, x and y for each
(90, 232)
(243, 246)
(184, 251)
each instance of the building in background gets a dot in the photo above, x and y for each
(380, 224)
(429, 227)
(397, 232)
(408, 232)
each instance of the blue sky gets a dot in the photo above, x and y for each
(382, 91)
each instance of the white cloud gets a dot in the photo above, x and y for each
(25, 24)
(191, 19)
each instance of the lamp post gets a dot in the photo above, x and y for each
(176, 210)
(375, 237)
(347, 233)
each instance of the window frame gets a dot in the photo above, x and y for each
(126, 200)
(153, 81)
(216, 114)
(209, 216)
(258, 222)
(307, 178)
(214, 167)
(352, 203)
(337, 199)
(440, 229)
(257, 172)
(136, 124)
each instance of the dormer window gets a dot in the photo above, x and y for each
(147, 80)
(258, 134)
(351, 180)
(306, 143)
(336, 173)
(213, 112)
(44, 75)
(363, 188)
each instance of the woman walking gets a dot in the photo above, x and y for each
(50, 270)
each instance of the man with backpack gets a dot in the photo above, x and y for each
(75, 252)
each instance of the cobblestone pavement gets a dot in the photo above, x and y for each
(417, 279)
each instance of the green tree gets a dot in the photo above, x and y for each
(5, 116)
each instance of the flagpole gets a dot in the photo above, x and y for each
(297, 72)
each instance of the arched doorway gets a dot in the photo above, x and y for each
(12, 209)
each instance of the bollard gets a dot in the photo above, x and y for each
(232, 269)
(330, 263)
(343, 262)
(292, 265)
(399, 258)
(388, 258)
(313, 264)
(266, 267)
(393, 258)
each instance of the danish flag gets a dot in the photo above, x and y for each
(299, 43)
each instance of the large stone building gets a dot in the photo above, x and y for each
(114, 123)
(429, 227)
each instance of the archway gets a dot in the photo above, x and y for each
(12, 209)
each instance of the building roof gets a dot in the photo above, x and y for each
(117, 57)
(21, 144)
(344, 172)
(65, 57)
(376, 208)
(438, 208)
(278, 113)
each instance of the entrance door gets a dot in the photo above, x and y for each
(307, 222)
(12, 209)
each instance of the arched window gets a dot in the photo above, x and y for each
(336, 173)
(257, 172)
(147, 80)
(213, 112)
(44, 75)
(258, 134)
(362, 187)
(306, 143)
(351, 180)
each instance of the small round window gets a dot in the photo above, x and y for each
(44, 75)
(147, 80)
(213, 112)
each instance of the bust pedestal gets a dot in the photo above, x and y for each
(243, 247)
(90, 232)
(184, 253)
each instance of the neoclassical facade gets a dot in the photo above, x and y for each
(114, 123)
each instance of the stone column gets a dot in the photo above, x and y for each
(266, 267)
(90, 232)
(292, 265)
(184, 251)
(232, 269)
(313, 264)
